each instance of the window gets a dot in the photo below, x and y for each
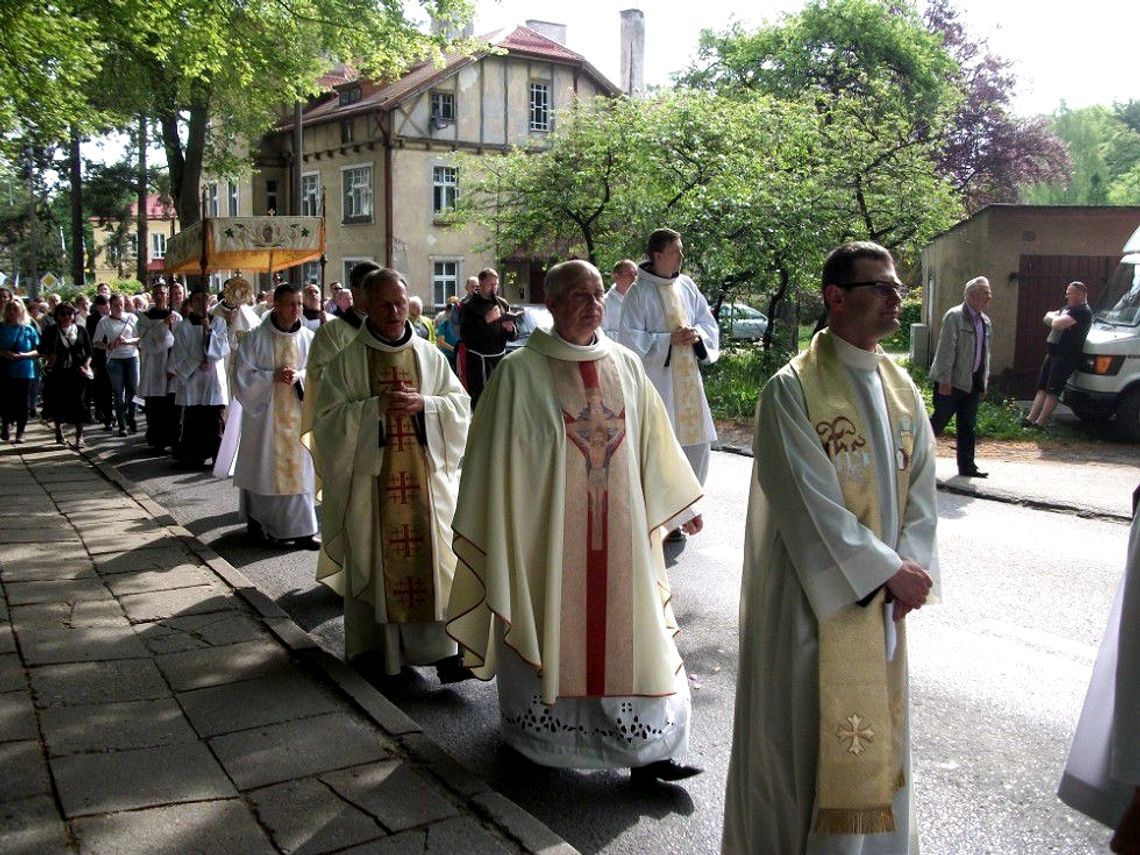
(232, 187)
(212, 199)
(157, 245)
(350, 263)
(345, 131)
(310, 194)
(356, 196)
(444, 280)
(349, 95)
(539, 107)
(444, 188)
(271, 205)
(311, 273)
(133, 244)
(442, 109)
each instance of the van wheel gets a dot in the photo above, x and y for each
(1085, 413)
(1128, 417)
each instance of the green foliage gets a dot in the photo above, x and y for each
(734, 381)
(1104, 147)
(910, 313)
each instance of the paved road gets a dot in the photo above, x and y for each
(998, 672)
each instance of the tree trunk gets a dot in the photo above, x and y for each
(295, 177)
(77, 246)
(185, 162)
(144, 238)
(774, 305)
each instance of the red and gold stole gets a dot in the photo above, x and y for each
(403, 498)
(596, 616)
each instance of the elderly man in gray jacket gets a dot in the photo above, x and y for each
(961, 369)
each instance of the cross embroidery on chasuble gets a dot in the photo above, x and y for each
(403, 498)
(596, 620)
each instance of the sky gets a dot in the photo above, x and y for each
(1081, 54)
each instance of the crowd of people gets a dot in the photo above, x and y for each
(504, 517)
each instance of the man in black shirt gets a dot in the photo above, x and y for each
(485, 326)
(1068, 327)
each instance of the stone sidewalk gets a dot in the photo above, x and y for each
(152, 700)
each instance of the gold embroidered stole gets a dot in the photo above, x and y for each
(688, 395)
(287, 469)
(861, 693)
(403, 498)
(596, 615)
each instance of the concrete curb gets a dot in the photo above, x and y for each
(514, 822)
(993, 494)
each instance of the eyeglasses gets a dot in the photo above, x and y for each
(886, 290)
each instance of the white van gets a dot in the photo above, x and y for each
(1106, 383)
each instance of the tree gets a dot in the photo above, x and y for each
(1104, 149)
(986, 152)
(209, 73)
(881, 85)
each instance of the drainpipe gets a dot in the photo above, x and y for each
(388, 194)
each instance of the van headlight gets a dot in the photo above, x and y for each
(1101, 365)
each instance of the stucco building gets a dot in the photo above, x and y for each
(116, 245)
(1029, 253)
(381, 153)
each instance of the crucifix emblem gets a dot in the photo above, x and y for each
(395, 377)
(857, 733)
(411, 591)
(402, 539)
(597, 432)
(401, 435)
(405, 487)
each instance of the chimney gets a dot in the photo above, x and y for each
(555, 32)
(452, 30)
(633, 53)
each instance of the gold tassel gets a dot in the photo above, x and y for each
(873, 821)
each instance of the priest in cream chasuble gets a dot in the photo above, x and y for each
(840, 546)
(391, 423)
(571, 469)
(273, 470)
(338, 330)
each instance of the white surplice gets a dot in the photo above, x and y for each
(644, 331)
(239, 321)
(197, 386)
(347, 431)
(510, 537)
(805, 557)
(1103, 769)
(611, 312)
(156, 339)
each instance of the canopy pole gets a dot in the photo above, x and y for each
(324, 258)
(203, 260)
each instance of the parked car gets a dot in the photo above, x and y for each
(742, 322)
(535, 315)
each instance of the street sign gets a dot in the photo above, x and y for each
(48, 280)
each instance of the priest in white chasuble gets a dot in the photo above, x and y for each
(839, 548)
(391, 424)
(273, 470)
(570, 473)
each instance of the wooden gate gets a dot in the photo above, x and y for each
(1041, 288)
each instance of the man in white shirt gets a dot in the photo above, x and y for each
(625, 274)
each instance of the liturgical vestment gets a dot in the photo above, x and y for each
(806, 558)
(571, 469)
(273, 470)
(389, 490)
(1103, 770)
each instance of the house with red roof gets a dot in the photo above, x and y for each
(380, 154)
